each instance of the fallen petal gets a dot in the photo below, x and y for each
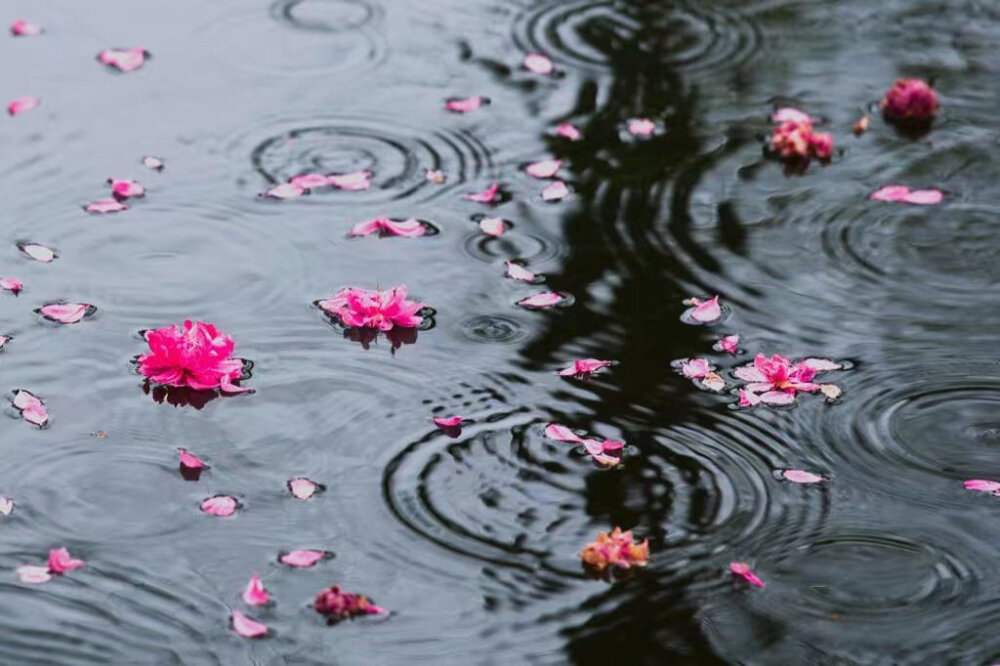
(821, 364)
(802, 476)
(190, 460)
(302, 558)
(310, 181)
(538, 63)
(154, 163)
(713, 382)
(695, 368)
(465, 105)
(519, 272)
(411, 228)
(447, 421)
(584, 367)
(831, 391)
(38, 252)
(543, 169)
(35, 415)
(492, 226)
(284, 191)
(546, 299)
(11, 284)
(861, 126)
(353, 182)
(790, 114)
(489, 195)
(6, 506)
(105, 206)
(435, 177)
(65, 313)
(302, 488)
(729, 344)
(748, 399)
(561, 433)
(743, 571)
(557, 191)
(219, 505)
(924, 197)
(890, 193)
(61, 562)
(255, 594)
(246, 627)
(642, 127)
(25, 28)
(777, 398)
(21, 105)
(567, 131)
(708, 311)
(126, 189)
(124, 60)
(983, 486)
(33, 574)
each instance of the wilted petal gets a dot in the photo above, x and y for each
(302, 488)
(25, 28)
(302, 558)
(538, 63)
(489, 195)
(6, 506)
(707, 311)
(557, 191)
(519, 272)
(492, 226)
(11, 284)
(246, 627)
(105, 206)
(743, 571)
(924, 197)
(543, 169)
(219, 505)
(567, 131)
(38, 252)
(33, 574)
(790, 114)
(255, 594)
(802, 476)
(65, 313)
(561, 433)
(190, 460)
(447, 421)
(464, 105)
(21, 105)
(983, 486)
(154, 163)
(353, 182)
(546, 299)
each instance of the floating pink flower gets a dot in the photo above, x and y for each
(378, 309)
(802, 476)
(776, 380)
(983, 486)
(641, 127)
(543, 169)
(21, 105)
(546, 299)
(25, 28)
(255, 594)
(352, 182)
(302, 558)
(6, 506)
(789, 114)
(447, 421)
(557, 191)
(742, 570)
(704, 312)
(729, 344)
(102, 206)
(284, 191)
(465, 105)
(303, 488)
(11, 284)
(617, 549)
(567, 131)
(246, 627)
(222, 506)
(124, 60)
(901, 193)
(700, 369)
(519, 272)
(31, 407)
(490, 195)
(910, 100)
(383, 226)
(196, 356)
(66, 313)
(796, 140)
(585, 367)
(154, 163)
(59, 562)
(538, 63)
(607, 453)
(126, 189)
(38, 252)
(339, 605)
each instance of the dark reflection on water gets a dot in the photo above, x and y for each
(471, 537)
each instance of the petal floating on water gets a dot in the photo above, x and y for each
(302, 558)
(802, 476)
(489, 195)
(447, 421)
(302, 488)
(519, 272)
(38, 252)
(126, 189)
(25, 28)
(65, 313)
(743, 571)
(105, 206)
(219, 505)
(254, 594)
(538, 63)
(246, 627)
(465, 105)
(33, 574)
(125, 60)
(543, 169)
(557, 191)
(11, 284)
(21, 105)
(492, 226)
(546, 299)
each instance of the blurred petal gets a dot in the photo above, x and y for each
(802, 476)
(246, 627)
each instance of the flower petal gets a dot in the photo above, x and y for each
(38, 252)
(6, 506)
(982, 485)
(546, 299)
(25, 28)
(492, 226)
(302, 488)
(33, 575)
(891, 193)
(61, 562)
(790, 114)
(489, 195)
(65, 313)
(284, 191)
(538, 63)
(777, 398)
(246, 627)
(154, 163)
(557, 191)
(543, 169)
(352, 182)
(465, 105)
(254, 594)
(561, 433)
(11, 284)
(519, 272)
(190, 460)
(447, 421)
(302, 558)
(743, 571)
(707, 311)
(802, 476)
(126, 189)
(124, 60)
(102, 206)
(219, 505)
(924, 197)
(21, 105)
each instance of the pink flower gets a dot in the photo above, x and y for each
(617, 549)
(910, 99)
(447, 421)
(465, 105)
(303, 488)
(302, 558)
(901, 193)
(66, 313)
(802, 476)
(196, 356)
(543, 169)
(538, 63)
(557, 191)
(821, 144)
(126, 189)
(38, 252)
(567, 131)
(584, 368)
(221, 506)
(338, 605)
(383, 226)
(105, 206)
(642, 127)
(776, 380)
(124, 60)
(154, 163)
(356, 308)
(519, 272)
(32, 408)
(704, 312)
(22, 104)
(700, 369)
(6, 506)
(12, 285)
(983, 486)
(255, 594)
(790, 114)
(60, 561)
(190, 460)
(742, 570)
(285, 191)
(546, 299)
(729, 344)
(25, 28)
(796, 140)
(489, 195)
(246, 627)
(492, 226)
(352, 182)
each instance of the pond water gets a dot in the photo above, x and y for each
(472, 541)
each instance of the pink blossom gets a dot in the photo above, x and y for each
(568, 131)
(901, 193)
(6, 506)
(60, 561)
(642, 127)
(246, 627)
(822, 145)
(700, 369)
(38, 252)
(704, 311)
(776, 380)
(729, 344)
(617, 549)
(465, 105)
(22, 104)
(790, 114)
(802, 476)
(222, 506)
(105, 206)
(302, 558)
(741, 570)
(189, 460)
(353, 182)
(519, 272)
(25, 28)
(546, 299)
(378, 309)
(338, 605)
(538, 63)
(557, 191)
(447, 421)
(196, 356)
(126, 189)
(492, 226)
(285, 191)
(302, 488)
(124, 60)
(66, 313)
(11, 284)
(543, 169)
(383, 226)
(154, 163)
(584, 368)
(255, 594)
(910, 99)
(796, 140)
(983, 486)
(489, 195)
(31, 407)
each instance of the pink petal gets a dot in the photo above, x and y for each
(6, 506)
(891, 193)
(353, 182)
(4, 339)
(302, 488)
(821, 364)
(60, 561)
(743, 571)
(190, 460)
(489, 195)
(557, 191)
(561, 433)
(519, 272)
(11, 284)
(543, 169)
(411, 228)
(492, 226)
(24, 399)
(749, 373)
(246, 627)
(105, 206)
(584, 366)
(713, 382)
(302, 558)
(35, 415)
(38, 252)
(464, 105)
(707, 311)
(568, 131)
(447, 421)
(24, 28)
(641, 127)
(789, 114)
(125, 60)
(310, 181)
(593, 447)
(695, 368)
(538, 63)
(802, 476)
(21, 105)
(126, 189)
(777, 398)
(924, 197)
(255, 594)
(154, 163)
(284, 191)
(729, 344)
(831, 391)
(33, 574)
(368, 227)
(982, 485)
(748, 399)
(64, 313)
(612, 445)
(219, 505)
(545, 299)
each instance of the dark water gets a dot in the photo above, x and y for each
(472, 542)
